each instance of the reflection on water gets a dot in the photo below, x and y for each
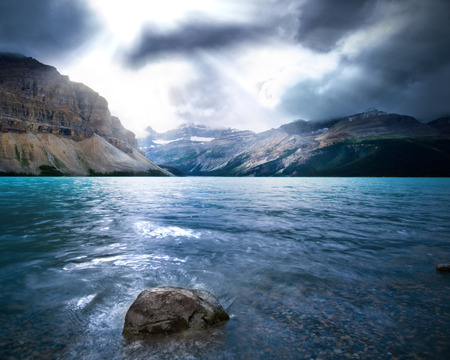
(148, 229)
(307, 268)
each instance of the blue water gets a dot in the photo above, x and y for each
(307, 268)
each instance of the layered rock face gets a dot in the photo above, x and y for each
(44, 116)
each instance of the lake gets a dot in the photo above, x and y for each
(319, 268)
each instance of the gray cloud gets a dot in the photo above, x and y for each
(322, 23)
(403, 73)
(420, 48)
(200, 101)
(213, 99)
(189, 38)
(207, 99)
(407, 73)
(44, 28)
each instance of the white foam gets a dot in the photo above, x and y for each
(80, 303)
(149, 229)
(137, 262)
(92, 263)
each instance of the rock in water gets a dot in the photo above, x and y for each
(443, 267)
(166, 310)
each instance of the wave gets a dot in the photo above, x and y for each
(151, 230)
(78, 304)
(137, 262)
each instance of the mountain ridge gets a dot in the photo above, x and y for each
(354, 145)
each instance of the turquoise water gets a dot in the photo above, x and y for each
(307, 268)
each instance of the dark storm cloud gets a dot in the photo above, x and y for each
(44, 28)
(322, 23)
(420, 48)
(189, 38)
(405, 72)
(408, 72)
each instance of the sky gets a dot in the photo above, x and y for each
(246, 64)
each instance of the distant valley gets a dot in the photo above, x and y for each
(372, 143)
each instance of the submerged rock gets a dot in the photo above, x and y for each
(443, 267)
(166, 310)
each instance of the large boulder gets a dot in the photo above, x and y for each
(167, 310)
(443, 267)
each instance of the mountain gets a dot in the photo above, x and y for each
(195, 149)
(50, 125)
(442, 125)
(372, 143)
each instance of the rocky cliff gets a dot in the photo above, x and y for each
(372, 143)
(50, 122)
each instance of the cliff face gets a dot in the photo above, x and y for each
(42, 108)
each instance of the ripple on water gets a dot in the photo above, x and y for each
(152, 230)
(80, 303)
(307, 268)
(134, 261)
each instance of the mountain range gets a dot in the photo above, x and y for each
(50, 125)
(372, 143)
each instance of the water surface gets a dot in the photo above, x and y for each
(307, 268)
